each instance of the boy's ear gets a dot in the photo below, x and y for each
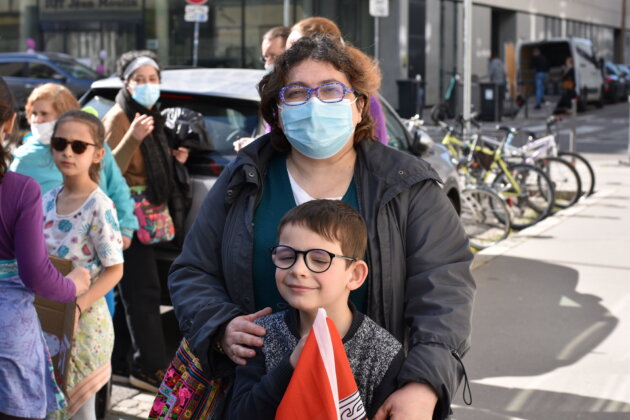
(358, 275)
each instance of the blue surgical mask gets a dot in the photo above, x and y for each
(146, 94)
(316, 129)
(269, 68)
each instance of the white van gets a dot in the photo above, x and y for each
(588, 76)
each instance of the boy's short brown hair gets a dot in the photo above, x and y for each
(333, 220)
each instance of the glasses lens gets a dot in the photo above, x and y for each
(318, 260)
(78, 146)
(283, 256)
(331, 92)
(295, 95)
(59, 143)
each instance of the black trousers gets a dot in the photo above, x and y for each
(138, 324)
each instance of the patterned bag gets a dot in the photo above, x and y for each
(156, 224)
(186, 393)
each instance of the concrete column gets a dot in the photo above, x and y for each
(393, 49)
(162, 30)
(28, 23)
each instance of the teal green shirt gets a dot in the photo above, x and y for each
(276, 200)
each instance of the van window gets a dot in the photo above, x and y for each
(40, 71)
(12, 69)
(586, 55)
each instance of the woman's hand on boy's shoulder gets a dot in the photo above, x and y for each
(241, 332)
(414, 401)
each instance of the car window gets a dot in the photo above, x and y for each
(610, 69)
(12, 69)
(226, 120)
(41, 71)
(396, 133)
(100, 104)
(78, 70)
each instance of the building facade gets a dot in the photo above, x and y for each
(418, 37)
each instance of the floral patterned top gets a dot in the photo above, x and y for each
(89, 236)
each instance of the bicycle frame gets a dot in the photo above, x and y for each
(533, 150)
(452, 143)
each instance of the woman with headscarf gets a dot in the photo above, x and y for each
(134, 128)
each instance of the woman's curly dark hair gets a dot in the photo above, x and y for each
(7, 110)
(361, 71)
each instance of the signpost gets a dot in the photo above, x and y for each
(378, 9)
(467, 65)
(196, 12)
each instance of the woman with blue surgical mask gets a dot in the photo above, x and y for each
(321, 146)
(134, 128)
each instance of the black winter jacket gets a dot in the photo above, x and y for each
(420, 287)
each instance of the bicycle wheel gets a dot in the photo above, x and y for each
(566, 182)
(530, 198)
(485, 216)
(583, 168)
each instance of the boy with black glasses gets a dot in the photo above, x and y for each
(319, 260)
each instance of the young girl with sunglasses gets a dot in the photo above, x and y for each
(80, 224)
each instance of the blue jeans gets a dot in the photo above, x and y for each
(541, 77)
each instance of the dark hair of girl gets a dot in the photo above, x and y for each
(7, 110)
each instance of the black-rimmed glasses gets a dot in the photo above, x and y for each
(77, 146)
(316, 260)
(328, 93)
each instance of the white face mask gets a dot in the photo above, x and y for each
(43, 131)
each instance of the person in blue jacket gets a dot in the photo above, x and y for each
(33, 158)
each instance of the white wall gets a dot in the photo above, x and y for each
(601, 12)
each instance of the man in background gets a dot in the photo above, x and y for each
(541, 69)
(273, 44)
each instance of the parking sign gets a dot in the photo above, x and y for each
(379, 8)
(196, 13)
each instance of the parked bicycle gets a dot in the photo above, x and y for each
(542, 152)
(546, 146)
(527, 190)
(483, 212)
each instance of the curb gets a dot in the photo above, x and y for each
(485, 256)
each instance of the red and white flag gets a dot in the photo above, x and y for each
(322, 385)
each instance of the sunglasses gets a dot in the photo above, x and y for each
(78, 146)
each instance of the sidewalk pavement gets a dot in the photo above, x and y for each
(552, 314)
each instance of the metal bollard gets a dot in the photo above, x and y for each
(629, 132)
(627, 162)
(573, 134)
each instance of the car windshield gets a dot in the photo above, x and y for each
(78, 70)
(226, 119)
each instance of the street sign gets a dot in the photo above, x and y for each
(379, 8)
(196, 1)
(195, 13)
